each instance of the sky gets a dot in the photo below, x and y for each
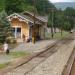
(62, 1)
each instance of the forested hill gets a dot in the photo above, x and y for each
(64, 5)
(11, 6)
(2, 5)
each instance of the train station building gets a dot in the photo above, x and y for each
(23, 24)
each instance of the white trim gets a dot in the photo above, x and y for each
(16, 26)
(15, 15)
(16, 30)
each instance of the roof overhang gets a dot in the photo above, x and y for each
(43, 19)
(15, 15)
(23, 18)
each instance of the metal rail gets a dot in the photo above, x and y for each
(70, 64)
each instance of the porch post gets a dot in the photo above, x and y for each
(21, 32)
(30, 33)
(15, 32)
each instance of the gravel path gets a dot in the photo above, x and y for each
(28, 47)
(32, 48)
(53, 65)
(5, 59)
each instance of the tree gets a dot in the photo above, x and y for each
(69, 11)
(67, 26)
(51, 21)
(41, 6)
(2, 5)
(12, 6)
(27, 5)
(70, 16)
(28, 2)
(60, 20)
(5, 28)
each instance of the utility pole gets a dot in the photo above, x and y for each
(34, 3)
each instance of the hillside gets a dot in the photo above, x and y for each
(2, 5)
(41, 6)
(58, 5)
(63, 5)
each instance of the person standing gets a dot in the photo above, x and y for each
(6, 48)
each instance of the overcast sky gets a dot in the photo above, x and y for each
(62, 0)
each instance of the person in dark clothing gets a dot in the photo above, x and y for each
(23, 38)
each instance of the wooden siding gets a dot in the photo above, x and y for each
(24, 26)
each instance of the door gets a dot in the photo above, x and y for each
(17, 32)
(18, 35)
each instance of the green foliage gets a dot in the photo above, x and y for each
(17, 54)
(50, 20)
(11, 40)
(66, 26)
(63, 20)
(69, 11)
(41, 6)
(2, 5)
(69, 14)
(57, 16)
(4, 65)
(5, 29)
(12, 6)
(57, 35)
(28, 2)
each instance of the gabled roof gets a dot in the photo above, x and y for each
(41, 18)
(16, 15)
(28, 17)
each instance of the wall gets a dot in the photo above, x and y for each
(24, 26)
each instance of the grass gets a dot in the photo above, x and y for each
(13, 55)
(17, 54)
(10, 45)
(57, 35)
(4, 65)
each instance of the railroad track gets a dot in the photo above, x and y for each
(70, 66)
(28, 66)
(72, 72)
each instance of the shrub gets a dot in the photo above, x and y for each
(11, 40)
(2, 38)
